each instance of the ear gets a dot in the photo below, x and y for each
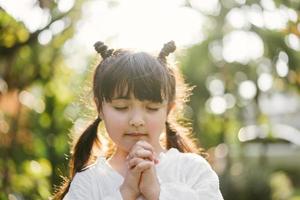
(171, 105)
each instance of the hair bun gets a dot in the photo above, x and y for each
(168, 48)
(101, 48)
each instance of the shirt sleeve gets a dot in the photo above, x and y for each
(83, 187)
(80, 188)
(196, 181)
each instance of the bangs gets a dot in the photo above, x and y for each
(139, 75)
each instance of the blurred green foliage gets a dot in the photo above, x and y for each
(205, 62)
(36, 88)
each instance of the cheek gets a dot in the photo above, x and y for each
(116, 118)
(156, 123)
(114, 121)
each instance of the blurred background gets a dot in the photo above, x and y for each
(243, 56)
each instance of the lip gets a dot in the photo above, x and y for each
(136, 134)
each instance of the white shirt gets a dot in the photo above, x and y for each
(182, 176)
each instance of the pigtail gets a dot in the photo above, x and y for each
(181, 142)
(83, 147)
(168, 48)
(103, 50)
(80, 156)
(172, 138)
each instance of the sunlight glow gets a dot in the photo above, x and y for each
(216, 105)
(79, 126)
(281, 131)
(35, 167)
(247, 89)
(282, 64)
(242, 47)
(286, 132)
(252, 132)
(45, 37)
(57, 26)
(128, 26)
(32, 102)
(283, 56)
(293, 41)
(138, 27)
(65, 5)
(71, 111)
(28, 12)
(275, 20)
(282, 68)
(267, 16)
(240, 1)
(211, 7)
(255, 15)
(237, 18)
(265, 82)
(123, 25)
(268, 4)
(292, 14)
(216, 87)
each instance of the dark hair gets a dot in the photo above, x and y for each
(146, 77)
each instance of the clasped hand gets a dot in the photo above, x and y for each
(141, 176)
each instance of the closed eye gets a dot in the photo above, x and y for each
(152, 109)
(120, 108)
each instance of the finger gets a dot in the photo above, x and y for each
(133, 162)
(145, 154)
(131, 153)
(156, 161)
(149, 147)
(145, 145)
(143, 157)
(142, 166)
(142, 153)
(142, 144)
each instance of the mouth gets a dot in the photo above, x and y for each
(136, 134)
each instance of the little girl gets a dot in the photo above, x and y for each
(136, 95)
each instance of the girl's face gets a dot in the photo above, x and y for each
(128, 120)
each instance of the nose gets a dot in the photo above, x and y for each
(137, 119)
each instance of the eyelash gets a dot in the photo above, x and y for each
(153, 109)
(124, 108)
(120, 108)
